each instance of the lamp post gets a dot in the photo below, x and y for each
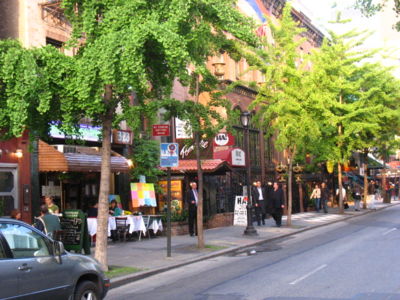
(245, 120)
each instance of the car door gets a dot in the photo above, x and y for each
(9, 272)
(39, 272)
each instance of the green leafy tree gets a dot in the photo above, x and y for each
(123, 46)
(370, 7)
(350, 96)
(283, 104)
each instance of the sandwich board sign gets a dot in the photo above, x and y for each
(240, 214)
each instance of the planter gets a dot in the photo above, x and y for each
(178, 228)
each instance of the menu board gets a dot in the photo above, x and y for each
(176, 195)
(73, 225)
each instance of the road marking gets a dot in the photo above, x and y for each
(308, 274)
(389, 231)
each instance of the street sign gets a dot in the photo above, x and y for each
(161, 130)
(169, 155)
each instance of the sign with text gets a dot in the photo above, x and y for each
(238, 158)
(161, 130)
(240, 214)
(123, 137)
(188, 149)
(183, 130)
(224, 139)
(169, 155)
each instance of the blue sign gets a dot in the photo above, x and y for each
(169, 155)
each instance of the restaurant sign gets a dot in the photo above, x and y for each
(224, 139)
(188, 149)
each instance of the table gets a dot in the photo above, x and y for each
(136, 223)
(92, 225)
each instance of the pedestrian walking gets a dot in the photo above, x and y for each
(324, 197)
(357, 195)
(192, 201)
(371, 195)
(316, 197)
(343, 195)
(259, 199)
(276, 204)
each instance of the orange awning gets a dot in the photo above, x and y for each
(81, 159)
(208, 166)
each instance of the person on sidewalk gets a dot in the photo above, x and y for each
(324, 197)
(259, 198)
(371, 195)
(52, 207)
(357, 197)
(276, 204)
(316, 197)
(192, 201)
(47, 222)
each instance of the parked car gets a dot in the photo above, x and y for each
(33, 266)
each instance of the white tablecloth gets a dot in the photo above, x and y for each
(136, 223)
(92, 225)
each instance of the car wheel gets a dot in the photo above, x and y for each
(87, 290)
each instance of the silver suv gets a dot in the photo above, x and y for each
(33, 266)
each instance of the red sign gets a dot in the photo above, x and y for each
(161, 130)
(224, 139)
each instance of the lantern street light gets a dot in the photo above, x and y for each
(245, 120)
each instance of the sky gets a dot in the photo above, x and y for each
(322, 11)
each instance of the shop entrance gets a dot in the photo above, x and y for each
(8, 188)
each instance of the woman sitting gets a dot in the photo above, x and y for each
(115, 211)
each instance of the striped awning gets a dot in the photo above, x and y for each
(83, 159)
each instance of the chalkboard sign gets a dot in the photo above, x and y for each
(74, 227)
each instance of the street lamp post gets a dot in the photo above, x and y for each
(245, 120)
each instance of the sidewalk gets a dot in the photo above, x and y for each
(150, 255)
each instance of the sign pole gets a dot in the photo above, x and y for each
(169, 212)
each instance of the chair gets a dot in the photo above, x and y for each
(122, 227)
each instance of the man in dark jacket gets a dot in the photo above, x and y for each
(259, 199)
(276, 204)
(192, 200)
(324, 197)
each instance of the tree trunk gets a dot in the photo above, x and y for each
(365, 180)
(102, 218)
(200, 233)
(290, 188)
(340, 183)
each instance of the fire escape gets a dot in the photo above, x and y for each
(53, 13)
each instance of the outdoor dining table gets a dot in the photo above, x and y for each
(92, 225)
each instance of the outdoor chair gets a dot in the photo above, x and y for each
(122, 227)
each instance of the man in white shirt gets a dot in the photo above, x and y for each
(192, 206)
(259, 200)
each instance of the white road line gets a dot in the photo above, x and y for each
(308, 274)
(389, 231)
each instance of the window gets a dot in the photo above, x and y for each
(24, 242)
(57, 44)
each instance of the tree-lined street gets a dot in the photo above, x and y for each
(356, 259)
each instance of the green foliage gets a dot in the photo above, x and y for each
(176, 216)
(283, 102)
(146, 159)
(355, 104)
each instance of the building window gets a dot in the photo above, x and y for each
(57, 44)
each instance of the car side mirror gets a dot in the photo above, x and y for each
(58, 250)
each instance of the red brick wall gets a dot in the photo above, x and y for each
(9, 148)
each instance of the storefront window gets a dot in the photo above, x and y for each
(6, 182)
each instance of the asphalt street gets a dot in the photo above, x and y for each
(355, 259)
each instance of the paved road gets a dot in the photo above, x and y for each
(357, 259)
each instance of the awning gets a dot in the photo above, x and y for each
(374, 163)
(66, 158)
(395, 164)
(208, 166)
(234, 156)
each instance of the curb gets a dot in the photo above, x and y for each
(123, 280)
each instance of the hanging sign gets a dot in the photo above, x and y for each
(224, 139)
(183, 130)
(240, 214)
(161, 130)
(169, 155)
